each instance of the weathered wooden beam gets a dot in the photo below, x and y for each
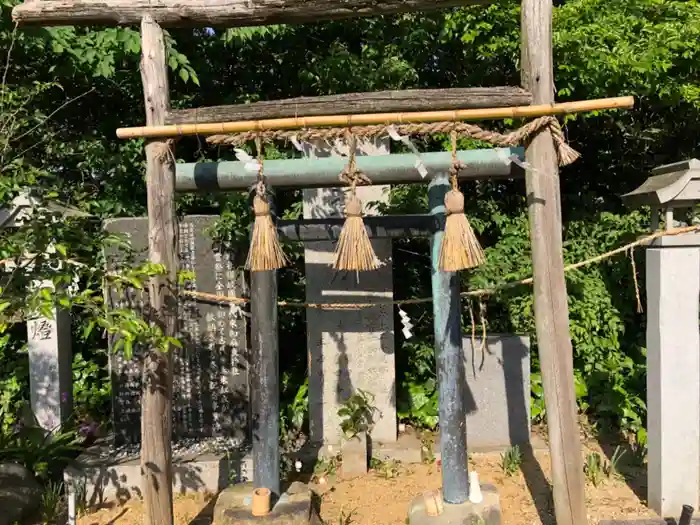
(378, 227)
(156, 397)
(356, 103)
(323, 173)
(214, 13)
(551, 308)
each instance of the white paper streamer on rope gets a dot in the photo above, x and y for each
(515, 160)
(237, 311)
(251, 164)
(407, 141)
(406, 322)
(297, 144)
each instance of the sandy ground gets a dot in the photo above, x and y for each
(374, 500)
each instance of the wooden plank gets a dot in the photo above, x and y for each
(156, 407)
(214, 13)
(378, 102)
(551, 308)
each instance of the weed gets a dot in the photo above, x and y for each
(386, 469)
(610, 468)
(327, 466)
(347, 518)
(594, 468)
(427, 448)
(52, 503)
(511, 460)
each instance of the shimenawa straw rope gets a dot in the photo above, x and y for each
(460, 248)
(265, 252)
(354, 250)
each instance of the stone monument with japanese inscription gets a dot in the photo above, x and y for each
(210, 371)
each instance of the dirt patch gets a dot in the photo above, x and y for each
(376, 500)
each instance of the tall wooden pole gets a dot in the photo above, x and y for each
(551, 309)
(156, 407)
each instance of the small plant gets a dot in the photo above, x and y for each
(594, 468)
(386, 469)
(610, 468)
(327, 466)
(52, 503)
(427, 448)
(81, 500)
(511, 460)
(357, 414)
(347, 518)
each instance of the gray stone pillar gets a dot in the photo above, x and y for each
(50, 369)
(673, 374)
(352, 349)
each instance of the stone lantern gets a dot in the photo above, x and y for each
(48, 339)
(672, 338)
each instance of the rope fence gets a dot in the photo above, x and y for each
(480, 292)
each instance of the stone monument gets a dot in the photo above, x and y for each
(348, 349)
(497, 401)
(210, 385)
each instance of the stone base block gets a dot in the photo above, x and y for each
(488, 512)
(99, 477)
(354, 452)
(406, 449)
(294, 507)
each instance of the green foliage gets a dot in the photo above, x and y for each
(66, 89)
(357, 414)
(388, 469)
(45, 455)
(511, 460)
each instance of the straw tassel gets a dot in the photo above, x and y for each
(354, 251)
(265, 252)
(460, 248)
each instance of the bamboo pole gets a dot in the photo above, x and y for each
(212, 128)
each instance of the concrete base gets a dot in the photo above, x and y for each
(406, 449)
(295, 507)
(488, 512)
(99, 477)
(354, 452)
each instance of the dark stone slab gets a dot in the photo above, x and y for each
(210, 385)
(19, 493)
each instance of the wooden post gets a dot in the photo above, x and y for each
(156, 407)
(551, 309)
(449, 358)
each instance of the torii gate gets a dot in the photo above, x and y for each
(551, 311)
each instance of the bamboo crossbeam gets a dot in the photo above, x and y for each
(376, 118)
